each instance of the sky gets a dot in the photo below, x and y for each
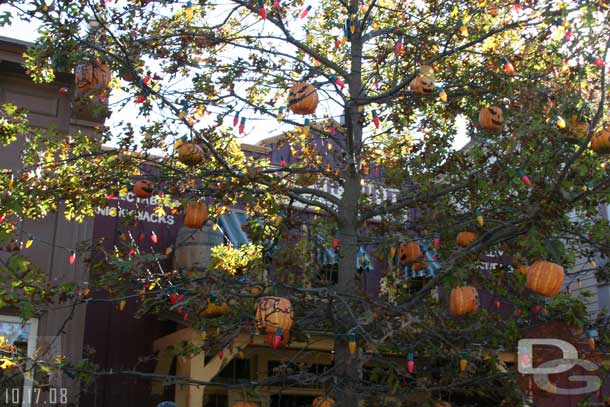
(255, 131)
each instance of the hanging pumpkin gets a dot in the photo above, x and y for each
(143, 189)
(273, 313)
(245, 404)
(303, 98)
(545, 278)
(465, 238)
(600, 143)
(409, 253)
(464, 300)
(90, 77)
(195, 214)
(190, 154)
(323, 401)
(491, 118)
(422, 85)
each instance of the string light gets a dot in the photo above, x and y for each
(437, 240)
(479, 217)
(280, 114)
(375, 119)
(72, 257)
(305, 12)
(351, 343)
(463, 361)
(242, 125)
(261, 10)
(524, 178)
(410, 363)
(508, 66)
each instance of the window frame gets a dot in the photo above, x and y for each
(28, 381)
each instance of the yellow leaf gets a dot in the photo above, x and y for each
(160, 211)
(6, 363)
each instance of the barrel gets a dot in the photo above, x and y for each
(193, 247)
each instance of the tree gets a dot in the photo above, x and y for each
(395, 79)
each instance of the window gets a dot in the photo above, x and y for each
(17, 388)
(237, 370)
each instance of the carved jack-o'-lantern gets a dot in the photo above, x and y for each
(190, 154)
(323, 401)
(303, 98)
(546, 278)
(143, 189)
(491, 118)
(465, 238)
(195, 214)
(409, 253)
(91, 77)
(273, 313)
(600, 143)
(464, 300)
(422, 85)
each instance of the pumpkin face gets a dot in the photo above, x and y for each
(190, 154)
(195, 214)
(409, 253)
(491, 118)
(465, 238)
(546, 278)
(91, 77)
(464, 300)
(273, 313)
(303, 98)
(143, 189)
(600, 143)
(422, 85)
(323, 401)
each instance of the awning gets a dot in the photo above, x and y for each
(231, 226)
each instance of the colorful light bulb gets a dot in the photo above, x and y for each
(140, 99)
(442, 95)
(517, 6)
(524, 178)
(559, 122)
(169, 249)
(305, 11)
(306, 128)
(437, 240)
(537, 308)
(64, 90)
(463, 29)
(277, 338)
(508, 66)
(220, 354)
(463, 361)
(236, 119)
(410, 363)
(276, 4)
(353, 22)
(337, 81)
(497, 304)
(242, 125)
(72, 257)
(399, 45)
(261, 10)
(153, 237)
(336, 242)
(375, 119)
(337, 43)
(122, 305)
(479, 217)
(596, 60)
(280, 114)
(351, 343)
(173, 298)
(569, 35)
(29, 242)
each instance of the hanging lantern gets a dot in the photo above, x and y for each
(195, 214)
(190, 154)
(323, 401)
(272, 313)
(409, 253)
(491, 118)
(303, 98)
(545, 278)
(463, 300)
(600, 142)
(143, 189)
(465, 239)
(91, 77)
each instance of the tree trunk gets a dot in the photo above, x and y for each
(349, 366)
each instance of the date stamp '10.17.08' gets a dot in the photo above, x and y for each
(35, 397)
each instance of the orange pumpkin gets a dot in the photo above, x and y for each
(245, 404)
(546, 278)
(273, 313)
(195, 214)
(303, 98)
(464, 300)
(190, 154)
(422, 85)
(465, 238)
(143, 189)
(491, 118)
(323, 401)
(91, 77)
(409, 253)
(600, 143)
